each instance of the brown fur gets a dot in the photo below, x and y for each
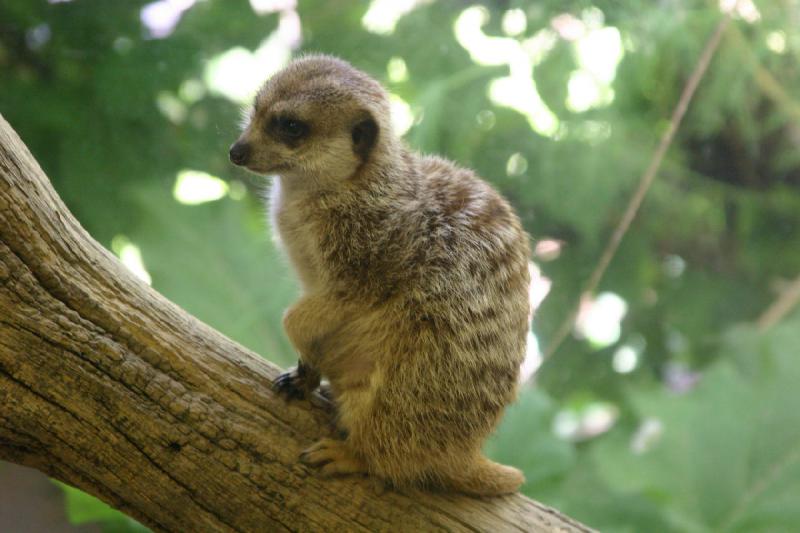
(415, 283)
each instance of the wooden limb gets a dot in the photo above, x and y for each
(649, 174)
(787, 300)
(107, 386)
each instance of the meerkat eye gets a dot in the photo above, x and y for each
(289, 128)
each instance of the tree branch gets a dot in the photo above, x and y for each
(646, 180)
(787, 300)
(107, 386)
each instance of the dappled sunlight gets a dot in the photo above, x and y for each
(586, 421)
(131, 256)
(628, 356)
(160, 18)
(516, 164)
(598, 51)
(194, 187)
(383, 15)
(263, 7)
(171, 107)
(583, 93)
(514, 22)
(568, 26)
(776, 41)
(538, 291)
(647, 435)
(38, 36)
(402, 116)
(539, 288)
(597, 48)
(234, 74)
(483, 49)
(674, 266)
(625, 360)
(396, 70)
(745, 9)
(599, 320)
(518, 90)
(486, 119)
(237, 73)
(191, 90)
(236, 190)
(548, 249)
(533, 358)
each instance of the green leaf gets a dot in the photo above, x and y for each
(728, 457)
(83, 508)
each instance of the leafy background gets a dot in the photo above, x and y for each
(668, 409)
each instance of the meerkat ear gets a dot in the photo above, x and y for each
(365, 135)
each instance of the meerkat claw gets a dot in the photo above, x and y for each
(333, 458)
(321, 452)
(286, 385)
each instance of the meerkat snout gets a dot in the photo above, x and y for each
(239, 153)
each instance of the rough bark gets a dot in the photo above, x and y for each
(108, 386)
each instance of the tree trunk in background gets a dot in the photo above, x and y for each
(108, 386)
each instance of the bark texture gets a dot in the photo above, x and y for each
(108, 386)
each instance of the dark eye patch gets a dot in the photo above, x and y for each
(290, 130)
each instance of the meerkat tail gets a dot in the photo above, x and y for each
(486, 478)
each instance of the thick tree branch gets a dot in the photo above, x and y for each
(107, 386)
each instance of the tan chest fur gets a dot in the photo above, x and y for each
(288, 215)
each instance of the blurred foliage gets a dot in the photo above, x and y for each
(700, 432)
(82, 509)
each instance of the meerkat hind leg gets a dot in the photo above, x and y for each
(334, 457)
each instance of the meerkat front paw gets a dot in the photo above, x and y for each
(334, 457)
(297, 383)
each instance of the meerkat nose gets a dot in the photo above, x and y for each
(239, 153)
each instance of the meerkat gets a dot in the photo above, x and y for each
(414, 277)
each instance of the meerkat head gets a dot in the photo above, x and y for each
(318, 119)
